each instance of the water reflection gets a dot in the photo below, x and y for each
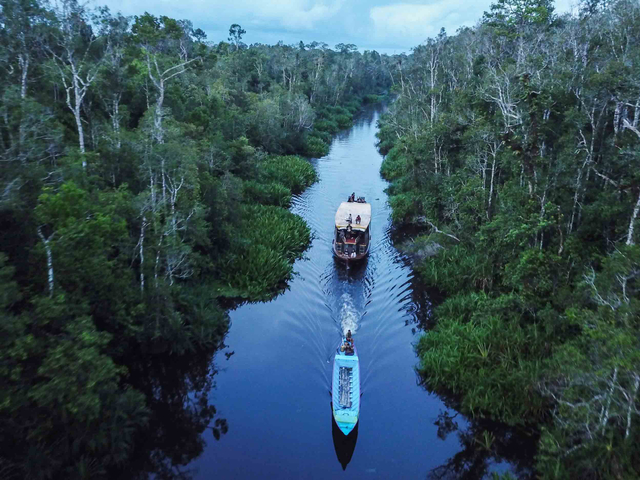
(487, 447)
(343, 444)
(177, 390)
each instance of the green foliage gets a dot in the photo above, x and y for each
(316, 147)
(293, 172)
(525, 158)
(266, 194)
(478, 351)
(127, 211)
(264, 247)
(509, 16)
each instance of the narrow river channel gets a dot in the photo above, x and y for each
(273, 389)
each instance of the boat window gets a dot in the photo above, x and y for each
(346, 381)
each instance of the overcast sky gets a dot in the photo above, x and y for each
(370, 24)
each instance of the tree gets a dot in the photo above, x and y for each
(235, 35)
(78, 57)
(23, 36)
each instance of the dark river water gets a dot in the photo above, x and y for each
(273, 377)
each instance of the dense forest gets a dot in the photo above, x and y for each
(146, 175)
(515, 147)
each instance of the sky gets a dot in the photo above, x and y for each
(382, 25)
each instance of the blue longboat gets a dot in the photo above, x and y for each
(345, 389)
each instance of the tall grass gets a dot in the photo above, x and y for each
(293, 172)
(479, 350)
(271, 193)
(264, 248)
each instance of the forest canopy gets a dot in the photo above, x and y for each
(146, 175)
(515, 147)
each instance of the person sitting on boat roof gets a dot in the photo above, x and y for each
(358, 220)
(352, 197)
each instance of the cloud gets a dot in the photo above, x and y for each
(369, 24)
(413, 23)
(293, 15)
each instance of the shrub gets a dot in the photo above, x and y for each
(343, 121)
(324, 136)
(268, 241)
(293, 172)
(372, 98)
(316, 147)
(266, 193)
(329, 126)
(489, 359)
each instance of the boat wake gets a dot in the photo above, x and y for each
(349, 315)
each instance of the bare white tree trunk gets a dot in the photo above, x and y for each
(604, 417)
(616, 118)
(632, 222)
(80, 87)
(632, 402)
(636, 209)
(157, 265)
(587, 161)
(494, 148)
(493, 175)
(142, 230)
(23, 61)
(47, 249)
(114, 113)
(159, 80)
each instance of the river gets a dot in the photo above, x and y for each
(273, 376)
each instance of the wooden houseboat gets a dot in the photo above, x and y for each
(352, 236)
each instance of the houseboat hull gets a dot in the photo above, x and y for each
(347, 258)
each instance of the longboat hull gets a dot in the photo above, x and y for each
(346, 258)
(345, 390)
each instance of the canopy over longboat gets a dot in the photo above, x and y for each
(352, 238)
(355, 209)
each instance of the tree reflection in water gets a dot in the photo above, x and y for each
(485, 445)
(177, 390)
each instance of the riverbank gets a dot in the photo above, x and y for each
(529, 231)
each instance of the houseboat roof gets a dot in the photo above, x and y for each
(355, 209)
